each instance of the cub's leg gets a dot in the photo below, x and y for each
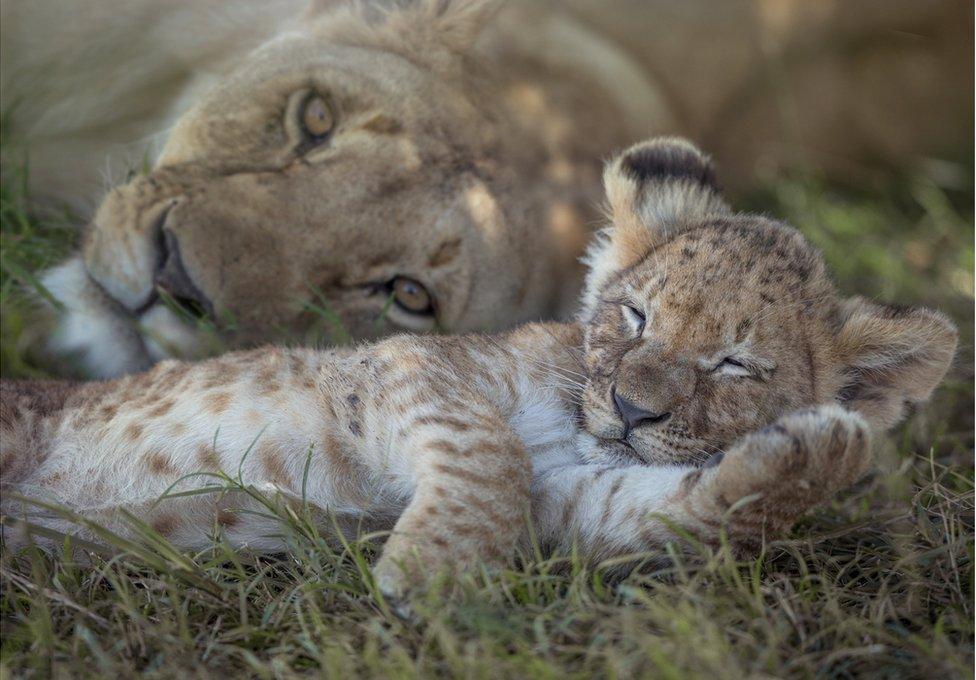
(761, 486)
(472, 477)
(26, 407)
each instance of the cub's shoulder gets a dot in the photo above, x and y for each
(539, 335)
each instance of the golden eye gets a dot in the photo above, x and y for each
(411, 295)
(317, 118)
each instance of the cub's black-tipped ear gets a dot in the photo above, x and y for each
(668, 159)
(655, 190)
(893, 357)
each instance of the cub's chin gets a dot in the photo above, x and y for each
(606, 451)
(647, 450)
(91, 335)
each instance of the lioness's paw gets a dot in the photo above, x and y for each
(800, 460)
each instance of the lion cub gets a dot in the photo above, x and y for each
(684, 397)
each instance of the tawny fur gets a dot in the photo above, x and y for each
(466, 149)
(450, 441)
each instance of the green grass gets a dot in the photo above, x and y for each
(880, 582)
(27, 245)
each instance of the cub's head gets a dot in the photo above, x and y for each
(702, 324)
(354, 177)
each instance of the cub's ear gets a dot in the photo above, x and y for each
(893, 357)
(655, 190)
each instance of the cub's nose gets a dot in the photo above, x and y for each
(171, 279)
(634, 416)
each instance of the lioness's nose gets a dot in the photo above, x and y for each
(171, 279)
(634, 416)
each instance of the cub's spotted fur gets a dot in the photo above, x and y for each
(686, 396)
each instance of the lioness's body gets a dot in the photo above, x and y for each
(91, 103)
(92, 88)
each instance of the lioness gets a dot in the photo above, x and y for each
(419, 164)
(699, 327)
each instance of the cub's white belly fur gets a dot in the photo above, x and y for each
(546, 426)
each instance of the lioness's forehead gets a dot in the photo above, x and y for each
(300, 61)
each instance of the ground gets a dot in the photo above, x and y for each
(880, 582)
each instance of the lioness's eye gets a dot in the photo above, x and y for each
(316, 117)
(635, 317)
(411, 296)
(732, 366)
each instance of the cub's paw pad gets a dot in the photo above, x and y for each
(799, 460)
(832, 441)
(391, 580)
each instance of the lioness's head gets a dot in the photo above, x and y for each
(356, 173)
(702, 324)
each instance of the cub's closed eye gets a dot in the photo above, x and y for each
(635, 318)
(733, 367)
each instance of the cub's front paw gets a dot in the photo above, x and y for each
(403, 579)
(395, 584)
(801, 460)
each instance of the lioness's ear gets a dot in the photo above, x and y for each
(426, 28)
(655, 190)
(893, 357)
(459, 22)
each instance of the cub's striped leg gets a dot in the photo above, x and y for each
(778, 474)
(603, 511)
(472, 478)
